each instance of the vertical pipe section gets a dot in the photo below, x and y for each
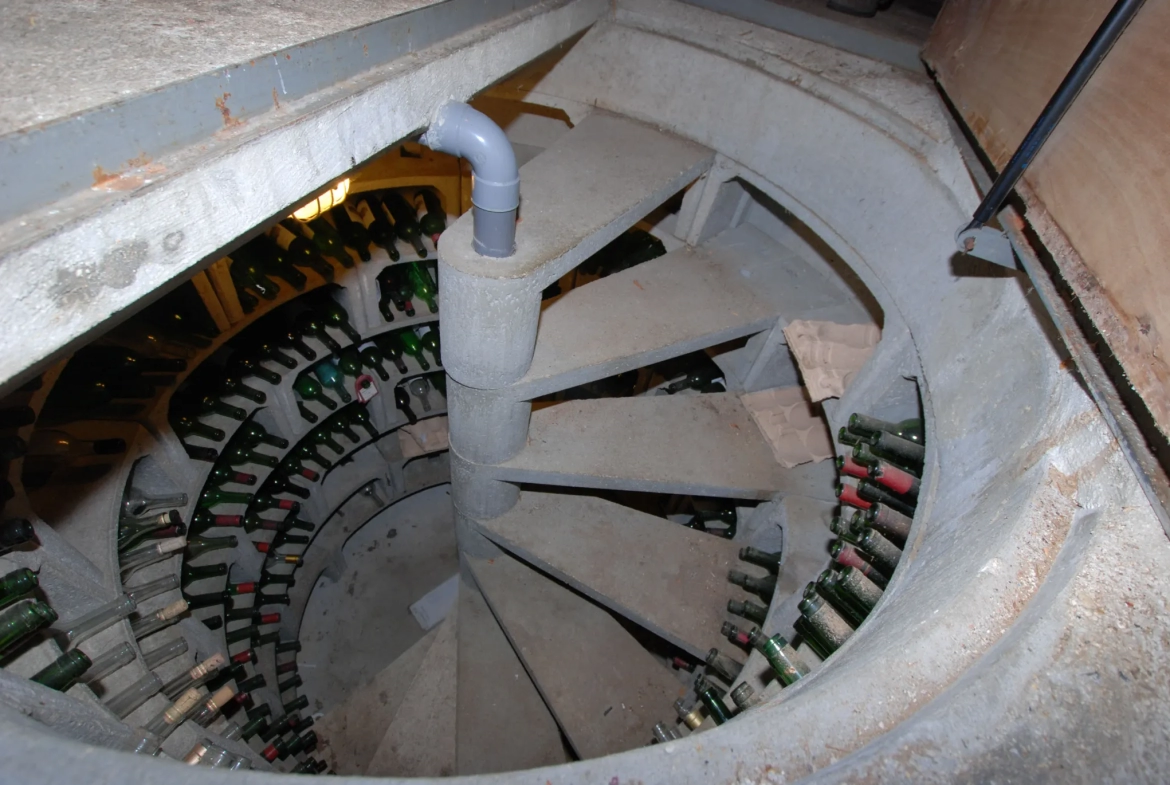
(495, 193)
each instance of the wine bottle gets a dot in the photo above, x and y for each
(64, 671)
(110, 661)
(200, 546)
(122, 361)
(748, 609)
(311, 390)
(195, 677)
(429, 338)
(231, 385)
(833, 629)
(744, 696)
(421, 284)
(723, 666)
(15, 532)
(412, 346)
(873, 493)
(214, 497)
(882, 553)
(193, 574)
(352, 233)
(851, 468)
(289, 684)
(763, 587)
(22, 620)
(222, 475)
(663, 734)
(303, 349)
(209, 404)
(692, 717)
(138, 693)
(292, 466)
(788, 666)
(371, 357)
(148, 625)
(388, 294)
(308, 326)
(213, 705)
(252, 727)
(286, 667)
(96, 620)
(734, 634)
(277, 727)
(863, 592)
(271, 352)
(380, 229)
(16, 584)
(336, 316)
(848, 556)
(246, 274)
(301, 251)
(867, 427)
(146, 591)
(306, 452)
(276, 262)
(54, 446)
(243, 366)
(137, 503)
(434, 220)
(418, 387)
(892, 524)
(151, 554)
(359, 415)
(331, 377)
(165, 653)
(132, 531)
(329, 242)
(277, 484)
(709, 694)
(402, 401)
(900, 449)
(768, 560)
(322, 437)
(405, 221)
(241, 455)
(826, 586)
(847, 494)
(393, 350)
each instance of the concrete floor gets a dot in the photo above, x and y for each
(355, 627)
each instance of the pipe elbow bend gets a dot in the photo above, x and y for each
(462, 131)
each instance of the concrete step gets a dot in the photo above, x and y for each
(669, 579)
(350, 734)
(736, 284)
(420, 741)
(589, 186)
(501, 721)
(605, 690)
(705, 445)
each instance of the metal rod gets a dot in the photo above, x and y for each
(1094, 52)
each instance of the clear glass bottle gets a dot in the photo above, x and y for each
(195, 677)
(137, 502)
(138, 693)
(151, 554)
(158, 620)
(152, 589)
(88, 625)
(132, 531)
(110, 661)
(168, 651)
(164, 723)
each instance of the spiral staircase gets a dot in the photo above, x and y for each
(810, 184)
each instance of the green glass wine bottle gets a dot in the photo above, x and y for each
(292, 466)
(311, 390)
(214, 497)
(231, 385)
(748, 610)
(209, 404)
(308, 325)
(322, 437)
(402, 401)
(710, 695)
(243, 366)
(16, 584)
(388, 294)
(359, 415)
(222, 475)
(301, 251)
(371, 357)
(334, 315)
(186, 427)
(768, 560)
(20, 621)
(393, 350)
(434, 220)
(241, 455)
(328, 242)
(405, 221)
(866, 427)
(191, 573)
(63, 671)
(352, 233)
(254, 433)
(380, 229)
(277, 483)
(763, 587)
(788, 666)
(423, 286)
(412, 346)
(306, 452)
(430, 341)
(201, 546)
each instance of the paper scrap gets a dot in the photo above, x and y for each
(424, 436)
(830, 354)
(793, 426)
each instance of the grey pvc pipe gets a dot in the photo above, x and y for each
(495, 193)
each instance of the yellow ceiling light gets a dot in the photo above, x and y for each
(325, 201)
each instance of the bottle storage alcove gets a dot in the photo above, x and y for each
(748, 489)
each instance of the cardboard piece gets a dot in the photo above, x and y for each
(423, 437)
(830, 354)
(792, 425)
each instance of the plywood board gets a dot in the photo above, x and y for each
(1098, 192)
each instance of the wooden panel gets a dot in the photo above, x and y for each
(1098, 193)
